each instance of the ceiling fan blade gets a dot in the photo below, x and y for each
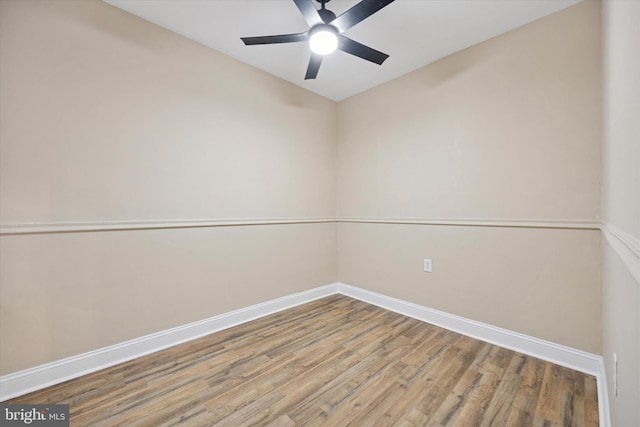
(358, 13)
(345, 44)
(282, 38)
(309, 12)
(314, 66)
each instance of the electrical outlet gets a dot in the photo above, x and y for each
(427, 265)
(615, 374)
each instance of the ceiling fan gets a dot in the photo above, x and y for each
(325, 33)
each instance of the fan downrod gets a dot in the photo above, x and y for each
(326, 15)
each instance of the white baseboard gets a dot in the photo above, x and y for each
(29, 380)
(33, 379)
(556, 353)
(559, 354)
(603, 396)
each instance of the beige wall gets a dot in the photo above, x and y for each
(106, 117)
(538, 282)
(65, 294)
(507, 130)
(621, 206)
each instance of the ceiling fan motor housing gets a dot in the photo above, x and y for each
(326, 15)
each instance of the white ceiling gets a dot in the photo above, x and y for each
(413, 32)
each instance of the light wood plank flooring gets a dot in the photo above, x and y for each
(332, 362)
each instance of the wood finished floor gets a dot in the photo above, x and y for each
(332, 362)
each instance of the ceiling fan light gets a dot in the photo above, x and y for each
(323, 40)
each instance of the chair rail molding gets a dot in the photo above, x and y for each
(87, 226)
(481, 222)
(625, 245)
(108, 225)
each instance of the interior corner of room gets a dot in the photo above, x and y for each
(148, 183)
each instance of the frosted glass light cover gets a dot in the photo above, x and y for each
(323, 41)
